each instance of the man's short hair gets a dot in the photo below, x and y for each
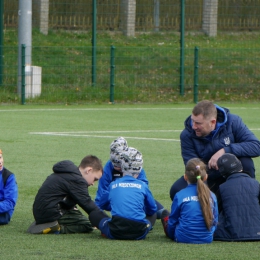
(205, 108)
(91, 161)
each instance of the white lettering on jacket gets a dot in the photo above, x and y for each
(127, 185)
(192, 198)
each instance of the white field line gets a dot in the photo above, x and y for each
(91, 109)
(123, 131)
(106, 109)
(84, 134)
(94, 134)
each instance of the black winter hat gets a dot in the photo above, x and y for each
(228, 163)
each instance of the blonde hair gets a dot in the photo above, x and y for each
(1, 151)
(196, 173)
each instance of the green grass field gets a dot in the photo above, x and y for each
(33, 138)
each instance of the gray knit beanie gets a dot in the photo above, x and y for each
(116, 148)
(132, 161)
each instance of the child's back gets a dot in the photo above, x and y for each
(194, 211)
(187, 211)
(129, 197)
(239, 219)
(238, 200)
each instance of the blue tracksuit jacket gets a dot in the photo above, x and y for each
(130, 198)
(106, 179)
(186, 223)
(8, 194)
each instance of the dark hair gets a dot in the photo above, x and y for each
(196, 173)
(91, 161)
(205, 108)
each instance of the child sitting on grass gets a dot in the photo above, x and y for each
(238, 202)
(8, 193)
(130, 201)
(194, 212)
(55, 206)
(112, 171)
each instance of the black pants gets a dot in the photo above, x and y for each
(4, 218)
(96, 216)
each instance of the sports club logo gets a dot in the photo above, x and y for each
(227, 141)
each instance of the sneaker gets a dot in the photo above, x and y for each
(165, 213)
(46, 228)
(164, 220)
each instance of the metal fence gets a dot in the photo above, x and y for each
(77, 14)
(146, 65)
(142, 74)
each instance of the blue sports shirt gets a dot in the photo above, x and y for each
(186, 222)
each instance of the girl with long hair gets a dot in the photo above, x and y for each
(194, 213)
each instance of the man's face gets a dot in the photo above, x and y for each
(202, 126)
(1, 162)
(90, 175)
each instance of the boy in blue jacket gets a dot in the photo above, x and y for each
(112, 171)
(8, 193)
(130, 201)
(238, 200)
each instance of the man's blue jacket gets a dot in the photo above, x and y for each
(231, 134)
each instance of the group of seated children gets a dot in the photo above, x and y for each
(197, 215)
